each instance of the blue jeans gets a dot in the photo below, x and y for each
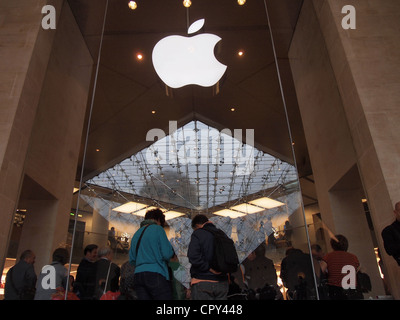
(152, 286)
(210, 290)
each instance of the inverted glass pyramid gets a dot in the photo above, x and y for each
(198, 168)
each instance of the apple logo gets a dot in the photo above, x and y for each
(181, 61)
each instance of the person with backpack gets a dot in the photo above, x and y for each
(209, 277)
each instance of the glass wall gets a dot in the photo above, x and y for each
(191, 109)
(188, 114)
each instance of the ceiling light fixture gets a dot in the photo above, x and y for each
(240, 53)
(130, 207)
(139, 56)
(266, 203)
(172, 215)
(232, 109)
(241, 2)
(132, 5)
(247, 208)
(187, 3)
(229, 213)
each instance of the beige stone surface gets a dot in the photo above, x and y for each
(344, 81)
(43, 94)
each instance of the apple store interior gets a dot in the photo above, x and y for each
(195, 107)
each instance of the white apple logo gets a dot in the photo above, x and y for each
(180, 61)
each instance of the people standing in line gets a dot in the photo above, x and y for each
(335, 261)
(44, 290)
(107, 272)
(21, 278)
(206, 283)
(85, 282)
(391, 235)
(152, 280)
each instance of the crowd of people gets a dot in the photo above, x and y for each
(148, 274)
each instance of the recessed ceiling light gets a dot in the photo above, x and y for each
(241, 2)
(172, 214)
(232, 109)
(139, 56)
(229, 213)
(130, 207)
(266, 203)
(247, 208)
(97, 150)
(240, 53)
(132, 5)
(153, 111)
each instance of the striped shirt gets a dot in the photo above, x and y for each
(335, 261)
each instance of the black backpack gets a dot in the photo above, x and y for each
(225, 258)
(363, 282)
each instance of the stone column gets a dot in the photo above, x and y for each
(348, 213)
(39, 229)
(24, 52)
(366, 65)
(44, 124)
(348, 90)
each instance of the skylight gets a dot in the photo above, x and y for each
(198, 167)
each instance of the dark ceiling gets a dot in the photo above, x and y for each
(128, 90)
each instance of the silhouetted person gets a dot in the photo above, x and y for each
(391, 235)
(288, 231)
(21, 278)
(259, 272)
(107, 272)
(85, 282)
(297, 274)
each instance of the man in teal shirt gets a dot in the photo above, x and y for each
(151, 257)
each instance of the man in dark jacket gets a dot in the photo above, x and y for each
(107, 272)
(206, 284)
(391, 236)
(21, 279)
(85, 281)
